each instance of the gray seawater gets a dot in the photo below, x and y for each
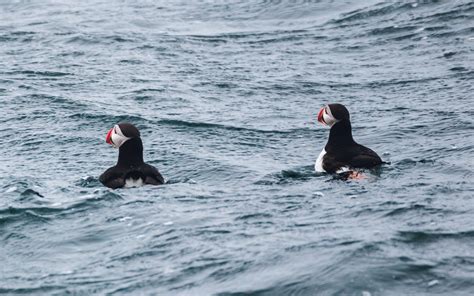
(226, 95)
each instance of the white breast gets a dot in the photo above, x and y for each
(318, 166)
(133, 182)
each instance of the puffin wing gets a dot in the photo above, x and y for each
(331, 164)
(366, 158)
(112, 179)
(152, 175)
(115, 183)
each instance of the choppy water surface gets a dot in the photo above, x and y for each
(226, 94)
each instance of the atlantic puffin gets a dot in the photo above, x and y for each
(342, 154)
(130, 170)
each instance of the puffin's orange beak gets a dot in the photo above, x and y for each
(108, 138)
(321, 117)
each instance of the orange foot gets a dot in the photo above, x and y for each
(354, 175)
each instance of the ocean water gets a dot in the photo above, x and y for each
(226, 95)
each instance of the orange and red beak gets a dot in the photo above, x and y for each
(108, 138)
(321, 116)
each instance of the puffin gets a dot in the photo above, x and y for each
(342, 155)
(130, 170)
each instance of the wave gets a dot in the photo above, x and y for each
(24, 215)
(458, 11)
(42, 211)
(379, 9)
(383, 20)
(109, 119)
(449, 11)
(417, 208)
(290, 176)
(422, 237)
(93, 39)
(41, 289)
(89, 182)
(199, 125)
(31, 73)
(113, 119)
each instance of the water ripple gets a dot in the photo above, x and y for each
(226, 96)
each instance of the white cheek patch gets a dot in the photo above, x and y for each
(328, 118)
(117, 137)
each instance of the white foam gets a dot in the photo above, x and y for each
(11, 189)
(419, 30)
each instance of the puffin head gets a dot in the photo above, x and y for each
(332, 114)
(121, 133)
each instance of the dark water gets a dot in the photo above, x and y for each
(226, 94)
